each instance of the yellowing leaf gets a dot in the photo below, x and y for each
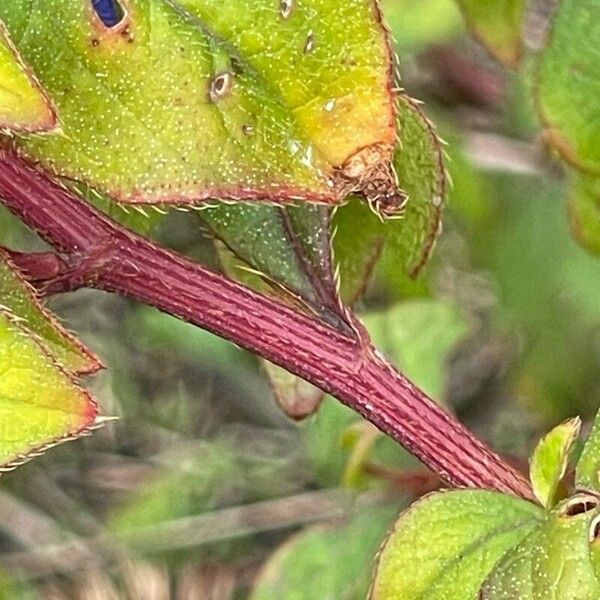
(361, 236)
(327, 59)
(550, 460)
(23, 104)
(40, 405)
(240, 100)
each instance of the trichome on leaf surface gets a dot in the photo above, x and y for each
(283, 125)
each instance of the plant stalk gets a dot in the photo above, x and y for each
(106, 256)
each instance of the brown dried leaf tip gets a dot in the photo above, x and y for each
(370, 171)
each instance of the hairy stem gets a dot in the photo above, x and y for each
(105, 256)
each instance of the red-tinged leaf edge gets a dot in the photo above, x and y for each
(94, 364)
(91, 419)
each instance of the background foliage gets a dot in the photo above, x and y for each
(204, 487)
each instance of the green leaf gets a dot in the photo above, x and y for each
(416, 24)
(325, 562)
(20, 299)
(550, 460)
(361, 236)
(177, 107)
(557, 560)
(561, 565)
(587, 473)
(497, 24)
(445, 544)
(418, 336)
(286, 251)
(327, 59)
(40, 405)
(23, 104)
(511, 577)
(568, 84)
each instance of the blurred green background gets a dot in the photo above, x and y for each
(204, 489)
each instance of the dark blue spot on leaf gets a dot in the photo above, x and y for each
(110, 12)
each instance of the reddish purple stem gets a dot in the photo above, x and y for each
(103, 255)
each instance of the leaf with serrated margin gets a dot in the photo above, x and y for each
(40, 405)
(498, 25)
(24, 106)
(361, 235)
(445, 544)
(550, 460)
(289, 247)
(170, 106)
(18, 297)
